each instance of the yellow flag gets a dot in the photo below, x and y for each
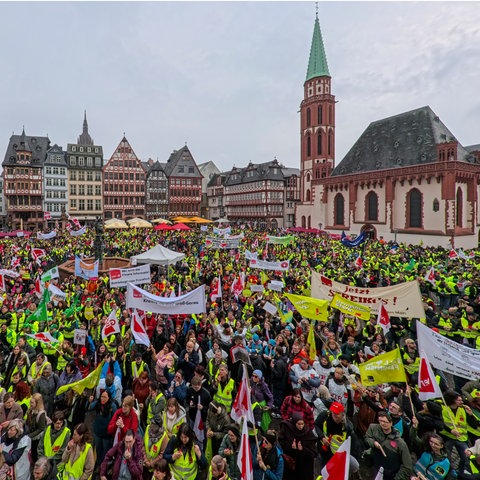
(386, 368)
(309, 307)
(350, 308)
(90, 381)
(311, 343)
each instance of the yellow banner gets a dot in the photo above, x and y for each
(90, 381)
(386, 368)
(350, 308)
(309, 307)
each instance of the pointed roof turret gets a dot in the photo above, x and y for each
(317, 63)
(24, 146)
(85, 138)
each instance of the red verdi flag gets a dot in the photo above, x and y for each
(338, 466)
(47, 216)
(244, 459)
(111, 325)
(383, 319)
(242, 405)
(138, 330)
(427, 383)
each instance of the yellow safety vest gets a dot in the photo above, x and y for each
(76, 470)
(149, 411)
(36, 374)
(460, 419)
(335, 440)
(154, 450)
(175, 427)
(136, 371)
(185, 467)
(224, 395)
(51, 450)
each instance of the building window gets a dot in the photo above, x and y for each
(309, 146)
(73, 203)
(98, 204)
(98, 161)
(414, 209)
(309, 117)
(320, 115)
(372, 206)
(81, 161)
(459, 212)
(436, 205)
(319, 143)
(330, 143)
(81, 204)
(339, 213)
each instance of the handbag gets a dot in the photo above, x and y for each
(290, 462)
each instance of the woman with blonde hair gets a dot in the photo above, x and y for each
(36, 421)
(15, 449)
(173, 417)
(218, 469)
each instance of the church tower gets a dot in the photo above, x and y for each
(317, 122)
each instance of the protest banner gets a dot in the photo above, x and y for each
(121, 277)
(282, 266)
(402, 300)
(350, 308)
(385, 368)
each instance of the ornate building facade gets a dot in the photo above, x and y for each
(407, 178)
(156, 190)
(124, 184)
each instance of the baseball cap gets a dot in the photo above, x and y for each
(337, 408)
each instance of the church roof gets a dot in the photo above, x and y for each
(317, 63)
(403, 140)
(85, 138)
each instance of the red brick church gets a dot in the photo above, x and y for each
(406, 178)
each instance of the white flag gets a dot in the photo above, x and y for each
(111, 326)
(138, 330)
(427, 383)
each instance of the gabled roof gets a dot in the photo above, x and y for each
(38, 146)
(125, 151)
(55, 151)
(255, 172)
(179, 164)
(403, 140)
(317, 63)
(473, 148)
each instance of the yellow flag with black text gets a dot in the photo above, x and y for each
(309, 307)
(350, 308)
(386, 368)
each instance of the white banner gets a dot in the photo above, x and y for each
(402, 300)
(251, 255)
(121, 277)
(264, 265)
(222, 243)
(447, 355)
(77, 233)
(192, 302)
(56, 294)
(46, 236)
(270, 308)
(79, 336)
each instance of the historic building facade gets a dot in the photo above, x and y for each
(184, 183)
(124, 184)
(407, 178)
(156, 190)
(23, 181)
(55, 190)
(85, 178)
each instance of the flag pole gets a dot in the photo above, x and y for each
(249, 393)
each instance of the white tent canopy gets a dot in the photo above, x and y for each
(158, 255)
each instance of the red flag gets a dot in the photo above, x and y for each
(242, 405)
(383, 319)
(326, 281)
(427, 383)
(15, 262)
(111, 326)
(38, 253)
(2, 282)
(47, 216)
(198, 426)
(138, 330)
(216, 289)
(359, 262)
(430, 276)
(338, 466)
(453, 254)
(38, 288)
(44, 337)
(244, 459)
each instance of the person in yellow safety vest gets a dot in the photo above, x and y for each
(36, 369)
(18, 319)
(78, 457)
(457, 417)
(50, 349)
(55, 439)
(184, 455)
(155, 403)
(224, 388)
(111, 343)
(138, 366)
(215, 362)
(174, 416)
(332, 427)
(447, 323)
(410, 356)
(8, 336)
(88, 310)
(20, 367)
(218, 469)
(155, 442)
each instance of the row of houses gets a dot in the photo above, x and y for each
(43, 183)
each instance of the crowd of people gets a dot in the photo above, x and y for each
(163, 411)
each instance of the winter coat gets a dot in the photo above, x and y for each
(115, 456)
(103, 415)
(130, 421)
(47, 386)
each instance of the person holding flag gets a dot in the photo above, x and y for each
(267, 459)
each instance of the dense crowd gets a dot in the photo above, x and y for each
(141, 420)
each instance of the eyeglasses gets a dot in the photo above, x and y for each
(254, 376)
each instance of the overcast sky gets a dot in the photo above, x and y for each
(227, 78)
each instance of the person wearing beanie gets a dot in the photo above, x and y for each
(262, 399)
(267, 460)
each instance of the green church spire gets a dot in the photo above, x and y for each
(317, 63)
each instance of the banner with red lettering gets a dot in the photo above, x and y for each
(402, 300)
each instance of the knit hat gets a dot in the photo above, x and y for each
(234, 430)
(255, 337)
(297, 416)
(270, 437)
(434, 408)
(258, 373)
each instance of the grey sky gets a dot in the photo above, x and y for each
(227, 78)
